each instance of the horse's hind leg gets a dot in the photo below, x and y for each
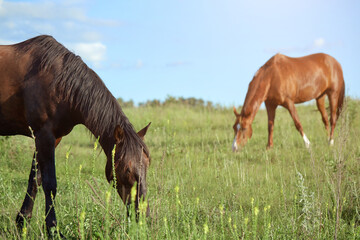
(33, 183)
(320, 103)
(291, 108)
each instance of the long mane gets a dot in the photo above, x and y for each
(78, 85)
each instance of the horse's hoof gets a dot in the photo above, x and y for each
(20, 220)
(54, 234)
(306, 141)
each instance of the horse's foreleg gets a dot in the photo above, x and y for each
(28, 204)
(270, 108)
(320, 103)
(33, 183)
(291, 108)
(45, 146)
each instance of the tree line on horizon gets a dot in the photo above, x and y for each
(197, 103)
(171, 100)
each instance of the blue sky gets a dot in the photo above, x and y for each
(207, 49)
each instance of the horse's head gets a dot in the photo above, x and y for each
(241, 133)
(131, 169)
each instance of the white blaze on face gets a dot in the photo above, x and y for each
(306, 141)
(234, 146)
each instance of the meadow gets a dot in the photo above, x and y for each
(197, 187)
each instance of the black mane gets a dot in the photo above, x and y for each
(74, 82)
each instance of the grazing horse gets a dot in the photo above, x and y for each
(286, 81)
(46, 90)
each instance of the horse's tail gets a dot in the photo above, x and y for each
(341, 98)
(338, 77)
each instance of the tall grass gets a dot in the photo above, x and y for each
(198, 188)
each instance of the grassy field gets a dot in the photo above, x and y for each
(197, 187)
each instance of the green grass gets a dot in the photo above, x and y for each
(197, 187)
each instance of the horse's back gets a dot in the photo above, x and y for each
(29, 95)
(13, 67)
(304, 78)
(310, 64)
(331, 69)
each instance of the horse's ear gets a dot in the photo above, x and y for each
(235, 112)
(143, 131)
(118, 134)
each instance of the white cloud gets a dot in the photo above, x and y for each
(316, 45)
(319, 42)
(40, 10)
(6, 42)
(10, 24)
(47, 10)
(93, 52)
(91, 36)
(177, 64)
(43, 27)
(139, 64)
(68, 19)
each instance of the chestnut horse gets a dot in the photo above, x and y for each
(47, 88)
(286, 81)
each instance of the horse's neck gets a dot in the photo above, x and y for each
(256, 94)
(105, 133)
(107, 143)
(248, 115)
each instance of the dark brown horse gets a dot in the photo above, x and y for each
(286, 81)
(45, 87)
